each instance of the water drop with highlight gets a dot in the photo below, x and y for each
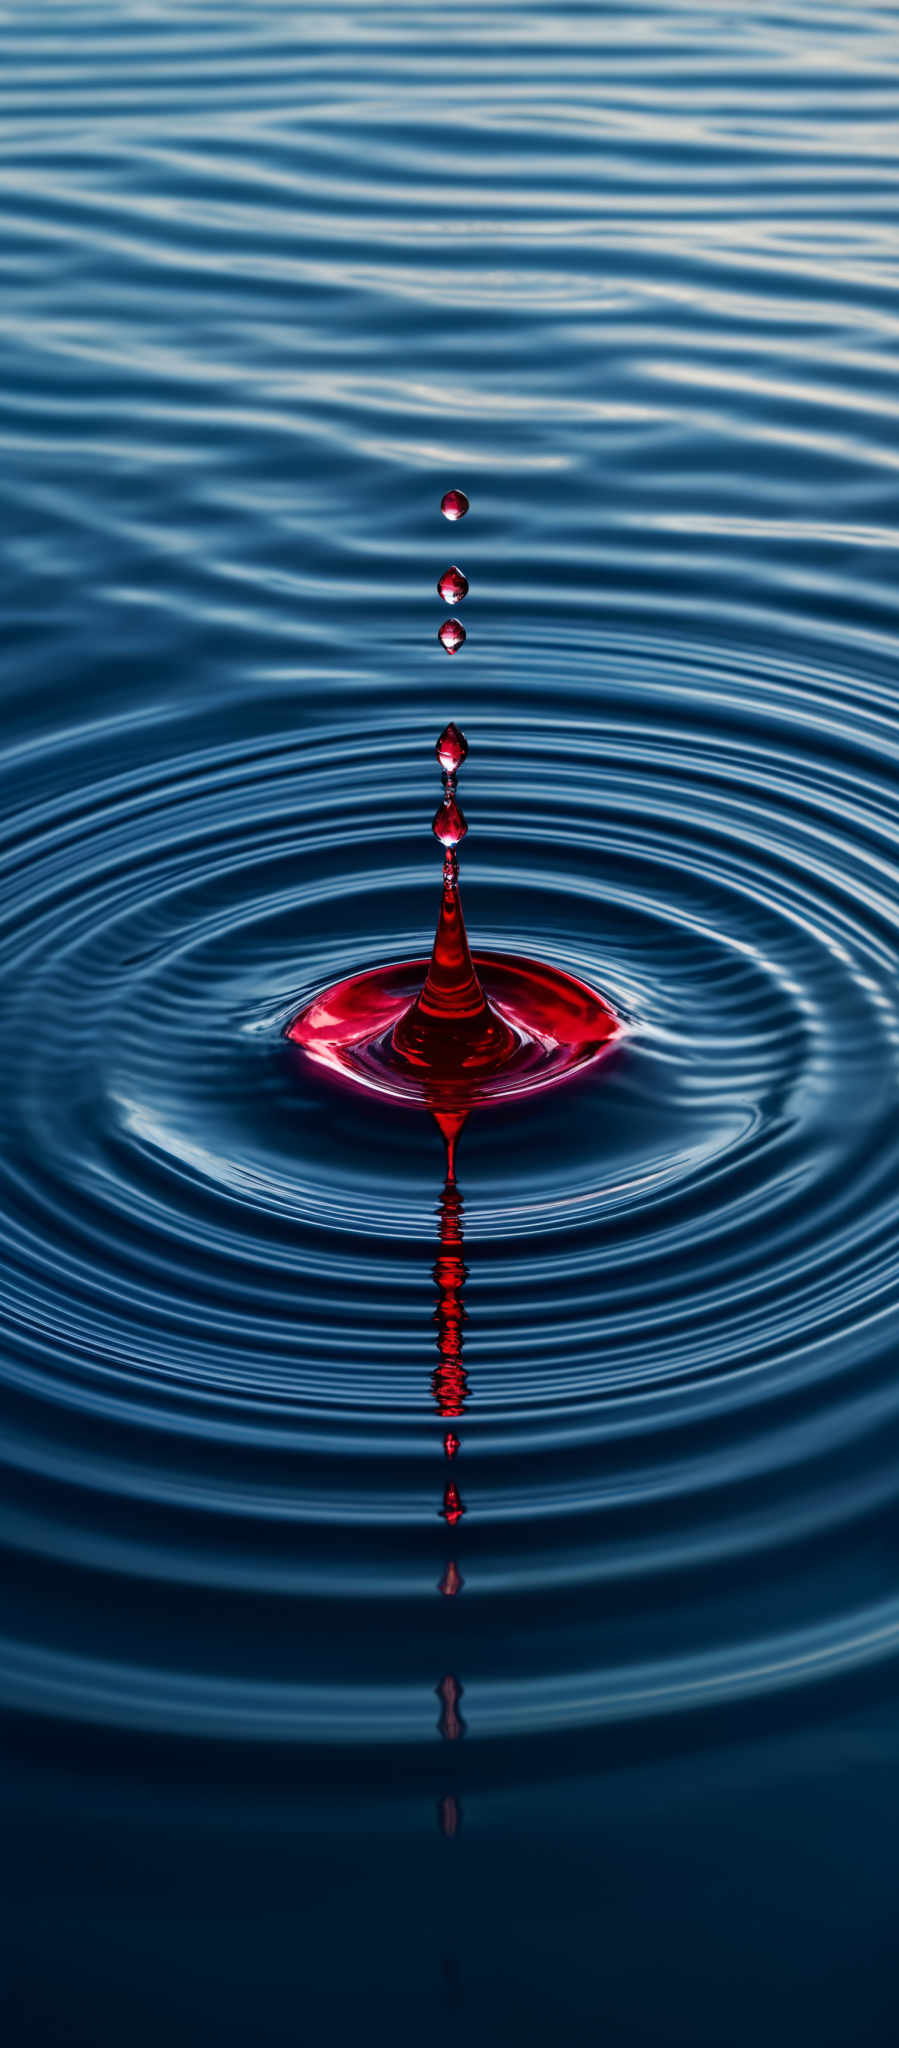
(452, 586)
(451, 749)
(451, 635)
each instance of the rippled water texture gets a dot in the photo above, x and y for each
(272, 280)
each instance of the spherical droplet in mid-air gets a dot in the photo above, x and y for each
(454, 505)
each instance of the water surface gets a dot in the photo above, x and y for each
(272, 279)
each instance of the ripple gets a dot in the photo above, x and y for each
(269, 285)
(216, 1292)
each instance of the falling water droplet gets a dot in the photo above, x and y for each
(454, 504)
(449, 822)
(451, 749)
(451, 635)
(450, 1443)
(452, 586)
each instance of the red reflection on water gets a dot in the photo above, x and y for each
(448, 1034)
(453, 1506)
(449, 1815)
(449, 1382)
(450, 1724)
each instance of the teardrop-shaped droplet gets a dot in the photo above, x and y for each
(454, 504)
(451, 635)
(452, 586)
(449, 823)
(451, 749)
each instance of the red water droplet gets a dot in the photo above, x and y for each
(451, 747)
(449, 824)
(450, 1443)
(452, 586)
(454, 504)
(452, 635)
(451, 1582)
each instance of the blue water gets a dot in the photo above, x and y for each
(272, 278)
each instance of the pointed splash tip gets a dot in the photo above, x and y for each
(452, 586)
(451, 749)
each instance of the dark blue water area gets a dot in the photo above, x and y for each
(284, 1753)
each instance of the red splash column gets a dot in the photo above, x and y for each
(451, 1029)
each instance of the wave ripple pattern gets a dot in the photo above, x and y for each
(272, 280)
